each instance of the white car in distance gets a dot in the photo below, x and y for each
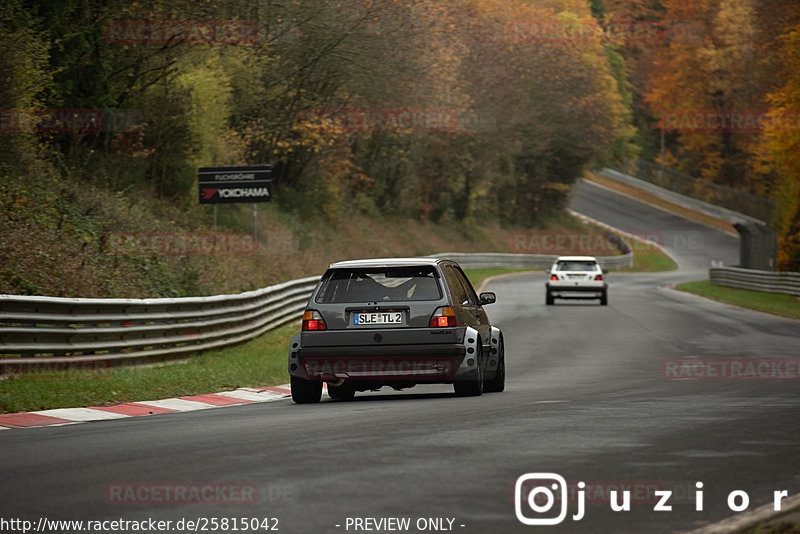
(576, 277)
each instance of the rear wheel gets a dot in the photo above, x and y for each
(345, 391)
(498, 381)
(604, 298)
(472, 385)
(306, 391)
(549, 298)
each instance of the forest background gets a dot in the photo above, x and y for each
(393, 127)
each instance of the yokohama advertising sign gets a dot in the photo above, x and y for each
(224, 185)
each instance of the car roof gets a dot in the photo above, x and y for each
(576, 258)
(386, 262)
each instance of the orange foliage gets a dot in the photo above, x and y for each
(780, 154)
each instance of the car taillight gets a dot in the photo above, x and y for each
(312, 320)
(598, 277)
(444, 316)
(554, 277)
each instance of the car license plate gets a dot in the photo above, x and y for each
(378, 318)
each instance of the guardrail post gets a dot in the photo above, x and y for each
(769, 248)
(758, 246)
(746, 244)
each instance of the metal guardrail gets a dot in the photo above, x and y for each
(491, 260)
(687, 202)
(36, 332)
(734, 199)
(526, 261)
(768, 281)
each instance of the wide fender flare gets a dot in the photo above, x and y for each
(496, 350)
(472, 343)
(296, 369)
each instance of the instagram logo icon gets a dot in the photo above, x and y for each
(541, 492)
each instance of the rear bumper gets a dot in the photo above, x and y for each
(384, 364)
(577, 291)
(384, 351)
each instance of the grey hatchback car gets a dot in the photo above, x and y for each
(395, 322)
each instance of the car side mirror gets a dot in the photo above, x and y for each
(488, 298)
(547, 271)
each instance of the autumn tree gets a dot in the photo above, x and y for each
(718, 57)
(552, 100)
(779, 164)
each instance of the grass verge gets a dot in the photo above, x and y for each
(650, 260)
(258, 362)
(774, 303)
(478, 276)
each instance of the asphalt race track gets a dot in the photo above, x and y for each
(586, 399)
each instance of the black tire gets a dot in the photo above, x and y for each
(549, 300)
(604, 299)
(344, 392)
(498, 381)
(306, 391)
(471, 386)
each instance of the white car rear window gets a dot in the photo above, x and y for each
(576, 266)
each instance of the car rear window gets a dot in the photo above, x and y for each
(379, 285)
(576, 266)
